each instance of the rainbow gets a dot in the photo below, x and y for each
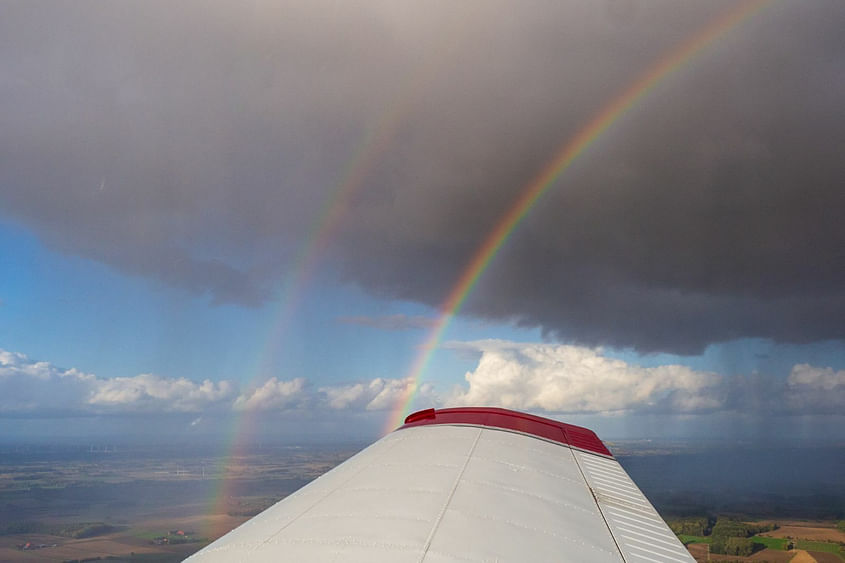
(373, 145)
(533, 191)
(376, 142)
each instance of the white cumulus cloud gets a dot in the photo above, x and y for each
(815, 389)
(544, 377)
(274, 394)
(376, 394)
(27, 386)
(153, 392)
(41, 388)
(575, 379)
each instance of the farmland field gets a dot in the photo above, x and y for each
(140, 495)
(808, 531)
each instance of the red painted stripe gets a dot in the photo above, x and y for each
(568, 434)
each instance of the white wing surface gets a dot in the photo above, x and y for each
(463, 485)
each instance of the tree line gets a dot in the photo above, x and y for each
(728, 536)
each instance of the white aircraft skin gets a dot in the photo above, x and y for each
(463, 485)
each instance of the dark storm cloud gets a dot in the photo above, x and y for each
(197, 144)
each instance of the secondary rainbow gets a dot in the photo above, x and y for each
(373, 145)
(547, 177)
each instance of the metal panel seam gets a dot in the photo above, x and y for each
(595, 500)
(449, 498)
(324, 497)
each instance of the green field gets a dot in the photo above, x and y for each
(828, 547)
(150, 534)
(778, 544)
(771, 543)
(685, 539)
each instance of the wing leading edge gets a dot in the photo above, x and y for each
(458, 485)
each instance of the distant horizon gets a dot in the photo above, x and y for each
(675, 475)
(736, 438)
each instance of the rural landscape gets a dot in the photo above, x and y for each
(157, 504)
(160, 504)
(731, 539)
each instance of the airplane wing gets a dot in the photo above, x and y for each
(463, 485)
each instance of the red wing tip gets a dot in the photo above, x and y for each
(506, 419)
(420, 415)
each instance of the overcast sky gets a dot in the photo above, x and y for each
(164, 169)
